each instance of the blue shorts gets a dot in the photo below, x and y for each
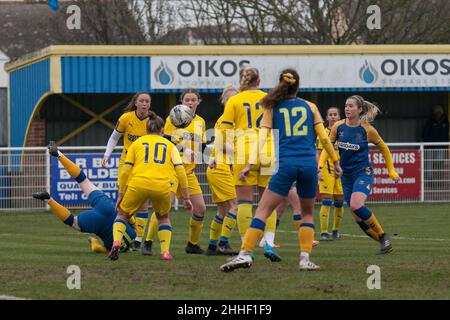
(305, 178)
(361, 181)
(100, 219)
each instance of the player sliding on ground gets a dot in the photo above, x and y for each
(99, 220)
(146, 175)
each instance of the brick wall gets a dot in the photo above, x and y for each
(36, 136)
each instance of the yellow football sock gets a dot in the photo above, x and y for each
(71, 167)
(61, 212)
(96, 246)
(324, 215)
(368, 230)
(373, 223)
(244, 217)
(141, 222)
(338, 213)
(119, 229)
(165, 236)
(215, 229)
(152, 228)
(271, 222)
(253, 234)
(228, 225)
(195, 228)
(371, 233)
(297, 217)
(306, 237)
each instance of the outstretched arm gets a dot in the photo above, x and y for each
(112, 143)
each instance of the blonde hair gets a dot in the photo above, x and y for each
(288, 85)
(223, 97)
(249, 77)
(369, 109)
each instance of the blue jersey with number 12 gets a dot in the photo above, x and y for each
(295, 119)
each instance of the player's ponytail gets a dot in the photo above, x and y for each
(288, 85)
(131, 106)
(369, 110)
(249, 77)
(155, 123)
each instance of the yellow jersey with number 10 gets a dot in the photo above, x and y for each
(153, 159)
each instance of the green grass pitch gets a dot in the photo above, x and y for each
(36, 249)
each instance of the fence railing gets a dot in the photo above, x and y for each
(424, 169)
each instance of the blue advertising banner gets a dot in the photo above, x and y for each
(66, 190)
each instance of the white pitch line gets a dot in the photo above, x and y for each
(392, 237)
(5, 297)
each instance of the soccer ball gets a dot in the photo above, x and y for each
(181, 116)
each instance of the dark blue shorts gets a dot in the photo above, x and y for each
(100, 219)
(305, 178)
(361, 181)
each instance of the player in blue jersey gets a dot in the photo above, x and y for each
(297, 123)
(99, 220)
(353, 135)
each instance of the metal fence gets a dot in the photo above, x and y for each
(424, 168)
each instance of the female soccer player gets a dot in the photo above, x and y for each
(330, 187)
(192, 140)
(99, 220)
(146, 176)
(298, 122)
(241, 118)
(220, 180)
(353, 135)
(131, 125)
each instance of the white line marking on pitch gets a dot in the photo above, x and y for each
(392, 237)
(4, 297)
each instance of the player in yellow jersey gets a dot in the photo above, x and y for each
(146, 176)
(132, 125)
(192, 141)
(241, 118)
(330, 187)
(220, 180)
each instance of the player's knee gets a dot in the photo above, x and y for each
(200, 209)
(355, 205)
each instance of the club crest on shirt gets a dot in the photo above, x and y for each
(368, 171)
(341, 134)
(359, 137)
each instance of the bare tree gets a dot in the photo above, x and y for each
(157, 18)
(319, 22)
(111, 22)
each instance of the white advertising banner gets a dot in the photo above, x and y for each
(3, 75)
(333, 71)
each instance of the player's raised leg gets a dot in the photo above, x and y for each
(58, 210)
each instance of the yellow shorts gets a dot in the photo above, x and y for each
(193, 186)
(254, 177)
(220, 182)
(135, 196)
(330, 185)
(173, 182)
